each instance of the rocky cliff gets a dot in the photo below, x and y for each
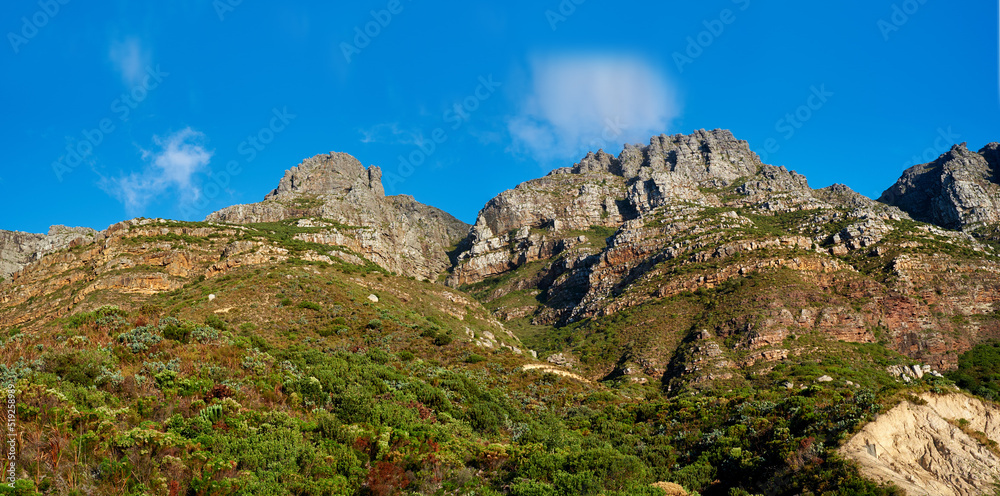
(959, 190)
(929, 449)
(18, 249)
(699, 213)
(398, 233)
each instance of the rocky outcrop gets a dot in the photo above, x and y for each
(18, 249)
(397, 233)
(959, 190)
(696, 212)
(607, 222)
(927, 449)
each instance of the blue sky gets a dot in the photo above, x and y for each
(175, 109)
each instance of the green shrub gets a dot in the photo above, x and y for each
(140, 339)
(216, 322)
(82, 368)
(375, 324)
(205, 334)
(212, 413)
(332, 330)
(979, 370)
(308, 305)
(474, 358)
(533, 488)
(173, 329)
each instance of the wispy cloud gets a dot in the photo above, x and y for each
(171, 168)
(584, 102)
(130, 60)
(389, 134)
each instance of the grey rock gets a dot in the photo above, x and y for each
(18, 249)
(397, 232)
(648, 197)
(959, 190)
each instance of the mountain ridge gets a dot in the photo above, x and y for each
(681, 312)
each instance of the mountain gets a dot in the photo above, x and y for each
(680, 317)
(959, 190)
(397, 233)
(639, 234)
(18, 249)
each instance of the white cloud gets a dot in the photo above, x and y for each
(130, 60)
(171, 168)
(580, 103)
(390, 134)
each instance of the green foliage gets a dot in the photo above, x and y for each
(274, 410)
(203, 334)
(141, 338)
(308, 305)
(106, 316)
(79, 367)
(174, 330)
(979, 370)
(216, 322)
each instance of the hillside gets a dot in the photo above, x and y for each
(680, 313)
(691, 237)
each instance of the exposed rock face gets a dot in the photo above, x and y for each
(696, 212)
(18, 249)
(959, 190)
(920, 449)
(651, 195)
(601, 190)
(397, 233)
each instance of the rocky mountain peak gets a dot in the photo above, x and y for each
(715, 157)
(398, 233)
(959, 190)
(18, 249)
(329, 174)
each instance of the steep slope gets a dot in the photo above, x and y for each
(255, 365)
(18, 249)
(708, 320)
(139, 259)
(959, 190)
(929, 448)
(397, 233)
(700, 214)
